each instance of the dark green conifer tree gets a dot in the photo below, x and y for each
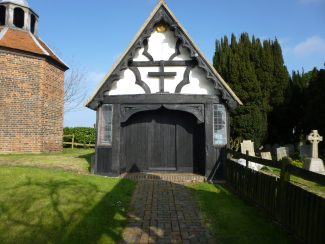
(258, 76)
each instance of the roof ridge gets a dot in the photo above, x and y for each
(119, 60)
(3, 32)
(51, 50)
(25, 41)
(38, 44)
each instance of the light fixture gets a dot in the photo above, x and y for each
(161, 27)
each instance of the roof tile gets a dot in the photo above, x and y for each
(22, 40)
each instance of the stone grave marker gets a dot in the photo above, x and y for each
(281, 152)
(305, 151)
(266, 155)
(248, 145)
(314, 163)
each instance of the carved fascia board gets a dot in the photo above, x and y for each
(164, 15)
(127, 110)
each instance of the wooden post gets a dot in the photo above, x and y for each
(72, 142)
(284, 178)
(246, 175)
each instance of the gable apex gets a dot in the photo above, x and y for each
(162, 13)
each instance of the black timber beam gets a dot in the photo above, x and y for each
(164, 98)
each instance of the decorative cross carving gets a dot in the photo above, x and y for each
(161, 74)
(314, 138)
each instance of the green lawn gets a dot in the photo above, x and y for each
(52, 206)
(308, 185)
(77, 160)
(233, 221)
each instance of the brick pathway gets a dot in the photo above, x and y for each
(164, 212)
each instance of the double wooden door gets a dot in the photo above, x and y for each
(161, 140)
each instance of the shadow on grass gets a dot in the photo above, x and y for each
(234, 221)
(87, 157)
(64, 211)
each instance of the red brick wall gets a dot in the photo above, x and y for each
(52, 92)
(31, 104)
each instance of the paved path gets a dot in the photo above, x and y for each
(164, 212)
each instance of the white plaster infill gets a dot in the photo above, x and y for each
(161, 46)
(126, 85)
(3, 32)
(196, 49)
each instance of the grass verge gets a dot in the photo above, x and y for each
(233, 221)
(305, 184)
(76, 160)
(52, 206)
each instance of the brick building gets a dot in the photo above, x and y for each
(31, 84)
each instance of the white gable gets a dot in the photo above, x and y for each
(161, 46)
(162, 62)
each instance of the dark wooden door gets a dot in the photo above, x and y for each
(162, 141)
(159, 140)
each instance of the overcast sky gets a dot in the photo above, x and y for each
(91, 35)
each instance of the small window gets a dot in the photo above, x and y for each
(19, 17)
(2, 15)
(105, 124)
(219, 125)
(32, 23)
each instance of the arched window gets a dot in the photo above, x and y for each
(19, 17)
(32, 23)
(2, 15)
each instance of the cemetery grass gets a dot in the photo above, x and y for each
(307, 185)
(76, 160)
(53, 206)
(231, 220)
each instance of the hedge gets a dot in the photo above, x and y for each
(85, 135)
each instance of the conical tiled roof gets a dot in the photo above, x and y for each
(25, 41)
(23, 3)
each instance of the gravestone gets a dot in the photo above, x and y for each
(305, 151)
(266, 155)
(314, 163)
(281, 152)
(245, 146)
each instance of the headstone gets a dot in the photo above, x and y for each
(305, 151)
(314, 163)
(266, 155)
(248, 145)
(281, 152)
(314, 139)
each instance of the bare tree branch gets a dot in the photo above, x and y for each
(75, 91)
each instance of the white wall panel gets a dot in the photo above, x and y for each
(161, 46)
